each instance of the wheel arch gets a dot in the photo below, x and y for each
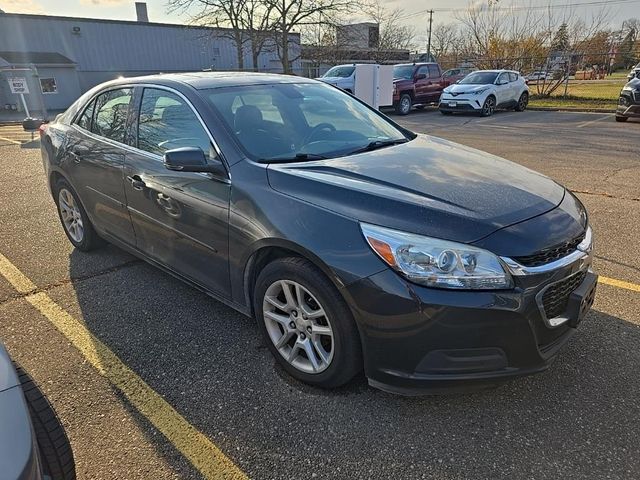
(267, 250)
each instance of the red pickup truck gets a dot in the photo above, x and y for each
(416, 84)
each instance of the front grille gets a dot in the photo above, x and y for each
(556, 297)
(550, 254)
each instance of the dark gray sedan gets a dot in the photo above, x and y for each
(357, 244)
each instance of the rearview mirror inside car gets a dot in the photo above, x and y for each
(191, 159)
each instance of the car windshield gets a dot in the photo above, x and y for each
(479, 78)
(295, 122)
(340, 71)
(403, 71)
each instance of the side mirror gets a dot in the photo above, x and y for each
(421, 76)
(192, 159)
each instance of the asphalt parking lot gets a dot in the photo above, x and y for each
(215, 391)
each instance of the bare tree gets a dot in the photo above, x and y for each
(290, 16)
(244, 22)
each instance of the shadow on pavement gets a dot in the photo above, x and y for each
(578, 420)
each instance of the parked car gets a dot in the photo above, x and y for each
(356, 243)
(33, 443)
(484, 91)
(629, 101)
(539, 76)
(454, 75)
(416, 84)
(634, 73)
(341, 76)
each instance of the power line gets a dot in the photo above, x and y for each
(522, 7)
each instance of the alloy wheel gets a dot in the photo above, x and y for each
(298, 326)
(71, 216)
(405, 105)
(488, 107)
(523, 102)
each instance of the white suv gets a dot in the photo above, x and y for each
(485, 90)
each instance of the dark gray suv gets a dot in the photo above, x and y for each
(355, 243)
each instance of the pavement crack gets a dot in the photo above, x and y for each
(606, 194)
(74, 280)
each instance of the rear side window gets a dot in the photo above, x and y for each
(513, 76)
(168, 122)
(84, 120)
(434, 71)
(111, 112)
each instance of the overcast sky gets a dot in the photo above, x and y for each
(125, 10)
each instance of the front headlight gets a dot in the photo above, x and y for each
(478, 92)
(437, 263)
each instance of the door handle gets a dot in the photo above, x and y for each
(136, 182)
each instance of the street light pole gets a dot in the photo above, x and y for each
(429, 40)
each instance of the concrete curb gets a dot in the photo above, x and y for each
(571, 109)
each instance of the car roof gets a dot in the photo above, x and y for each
(416, 64)
(496, 71)
(205, 80)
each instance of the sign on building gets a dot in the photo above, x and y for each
(18, 85)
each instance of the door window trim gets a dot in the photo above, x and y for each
(135, 113)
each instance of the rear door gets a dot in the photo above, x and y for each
(96, 149)
(181, 219)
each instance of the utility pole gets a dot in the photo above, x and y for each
(429, 41)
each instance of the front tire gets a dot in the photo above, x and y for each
(74, 218)
(403, 107)
(523, 101)
(306, 323)
(488, 107)
(55, 450)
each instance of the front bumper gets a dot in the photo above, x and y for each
(459, 104)
(420, 340)
(628, 104)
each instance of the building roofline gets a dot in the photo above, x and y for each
(120, 22)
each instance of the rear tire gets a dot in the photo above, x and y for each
(338, 354)
(621, 119)
(523, 101)
(74, 218)
(403, 107)
(55, 450)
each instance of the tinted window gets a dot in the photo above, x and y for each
(423, 70)
(434, 71)
(111, 111)
(513, 76)
(84, 120)
(168, 122)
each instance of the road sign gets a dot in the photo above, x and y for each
(18, 85)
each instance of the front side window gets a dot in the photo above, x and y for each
(513, 76)
(111, 113)
(299, 121)
(403, 71)
(424, 71)
(503, 78)
(167, 122)
(434, 71)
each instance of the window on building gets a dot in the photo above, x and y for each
(168, 122)
(48, 85)
(111, 111)
(84, 120)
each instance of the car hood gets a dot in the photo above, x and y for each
(459, 89)
(334, 79)
(428, 186)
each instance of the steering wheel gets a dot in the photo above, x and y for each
(318, 128)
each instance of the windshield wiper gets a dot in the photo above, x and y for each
(376, 144)
(298, 157)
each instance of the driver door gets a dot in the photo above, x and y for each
(180, 219)
(502, 89)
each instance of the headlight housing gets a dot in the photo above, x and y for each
(478, 92)
(437, 263)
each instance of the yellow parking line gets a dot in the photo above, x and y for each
(208, 459)
(10, 141)
(634, 287)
